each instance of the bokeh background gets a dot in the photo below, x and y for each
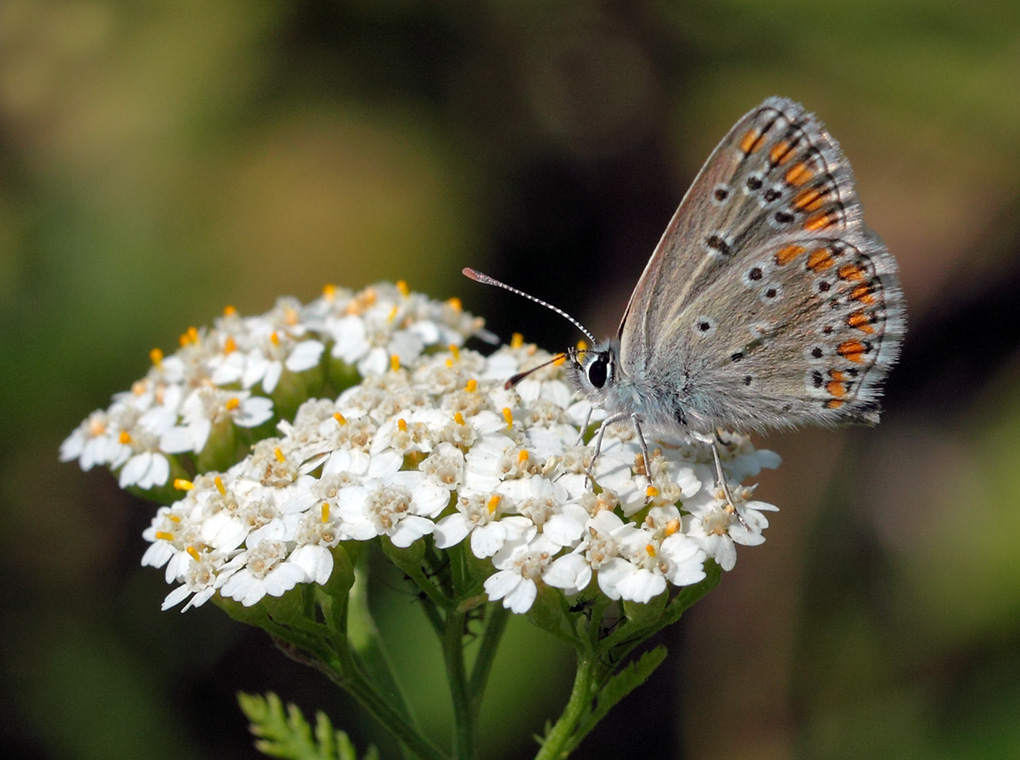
(160, 160)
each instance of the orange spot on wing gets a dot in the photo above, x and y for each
(834, 404)
(788, 254)
(818, 221)
(819, 259)
(752, 141)
(852, 350)
(836, 389)
(809, 200)
(861, 321)
(798, 174)
(851, 272)
(781, 153)
(863, 293)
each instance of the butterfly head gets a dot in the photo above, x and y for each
(593, 370)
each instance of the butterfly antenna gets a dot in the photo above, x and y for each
(477, 276)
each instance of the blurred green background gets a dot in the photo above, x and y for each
(160, 160)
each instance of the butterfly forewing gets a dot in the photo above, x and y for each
(766, 303)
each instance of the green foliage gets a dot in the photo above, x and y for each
(284, 732)
(619, 686)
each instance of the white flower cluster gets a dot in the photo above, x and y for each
(225, 376)
(428, 442)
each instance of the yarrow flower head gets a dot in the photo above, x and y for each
(400, 433)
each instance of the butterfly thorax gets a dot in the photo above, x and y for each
(598, 374)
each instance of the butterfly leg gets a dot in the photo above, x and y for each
(644, 446)
(712, 441)
(584, 427)
(598, 441)
(722, 481)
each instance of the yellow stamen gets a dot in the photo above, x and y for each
(393, 313)
(672, 527)
(508, 416)
(650, 550)
(229, 345)
(494, 503)
(156, 356)
(402, 424)
(458, 418)
(183, 484)
(233, 404)
(278, 454)
(455, 304)
(522, 456)
(229, 311)
(218, 482)
(455, 350)
(173, 518)
(472, 386)
(516, 340)
(194, 553)
(325, 512)
(394, 362)
(339, 418)
(651, 492)
(162, 535)
(329, 291)
(274, 338)
(402, 287)
(449, 363)
(125, 437)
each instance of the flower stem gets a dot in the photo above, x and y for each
(464, 736)
(559, 741)
(495, 626)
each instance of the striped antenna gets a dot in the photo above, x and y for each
(477, 276)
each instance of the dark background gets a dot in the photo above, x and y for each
(160, 160)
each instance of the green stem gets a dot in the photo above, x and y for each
(377, 705)
(494, 628)
(559, 740)
(464, 714)
(333, 657)
(358, 634)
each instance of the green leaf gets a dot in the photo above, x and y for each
(408, 559)
(551, 613)
(688, 595)
(284, 732)
(618, 687)
(646, 615)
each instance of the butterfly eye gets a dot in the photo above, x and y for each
(598, 371)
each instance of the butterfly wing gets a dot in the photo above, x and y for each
(767, 303)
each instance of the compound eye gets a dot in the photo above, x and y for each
(598, 371)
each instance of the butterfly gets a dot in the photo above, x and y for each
(767, 303)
